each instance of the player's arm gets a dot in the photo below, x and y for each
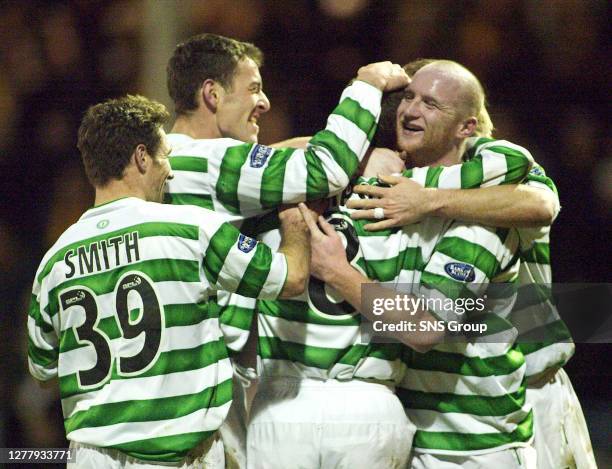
(253, 178)
(43, 346)
(239, 264)
(330, 264)
(495, 167)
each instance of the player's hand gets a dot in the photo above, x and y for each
(385, 76)
(328, 254)
(403, 203)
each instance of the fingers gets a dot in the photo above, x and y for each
(372, 191)
(364, 203)
(310, 221)
(363, 215)
(381, 225)
(327, 228)
(391, 180)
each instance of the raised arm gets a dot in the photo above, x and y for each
(249, 179)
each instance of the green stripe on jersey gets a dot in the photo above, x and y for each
(256, 273)
(483, 406)
(298, 311)
(189, 163)
(352, 110)
(273, 179)
(472, 173)
(40, 356)
(386, 270)
(165, 408)
(317, 185)
(538, 254)
(433, 176)
(172, 448)
(237, 316)
(219, 247)
(229, 176)
(467, 366)
(34, 313)
(473, 441)
(340, 151)
(323, 357)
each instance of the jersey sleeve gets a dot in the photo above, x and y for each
(253, 178)
(488, 163)
(239, 264)
(43, 347)
(235, 318)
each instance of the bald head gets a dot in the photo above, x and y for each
(469, 93)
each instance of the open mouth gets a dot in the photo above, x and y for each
(410, 127)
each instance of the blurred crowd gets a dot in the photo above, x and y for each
(544, 63)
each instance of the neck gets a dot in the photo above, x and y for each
(117, 190)
(196, 126)
(450, 157)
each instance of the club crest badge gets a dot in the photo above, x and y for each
(246, 244)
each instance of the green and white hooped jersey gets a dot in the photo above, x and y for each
(318, 334)
(535, 315)
(462, 397)
(121, 314)
(246, 180)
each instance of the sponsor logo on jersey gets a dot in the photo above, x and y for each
(246, 244)
(102, 224)
(536, 171)
(76, 298)
(460, 271)
(259, 155)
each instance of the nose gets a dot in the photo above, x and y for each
(264, 103)
(412, 108)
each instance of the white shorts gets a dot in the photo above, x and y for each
(208, 455)
(561, 435)
(312, 424)
(523, 457)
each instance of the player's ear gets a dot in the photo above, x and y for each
(468, 127)
(141, 158)
(209, 94)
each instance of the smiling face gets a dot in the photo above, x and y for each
(429, 118)
(240, 105)
(159, 171)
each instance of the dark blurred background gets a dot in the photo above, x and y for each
(545, 65)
